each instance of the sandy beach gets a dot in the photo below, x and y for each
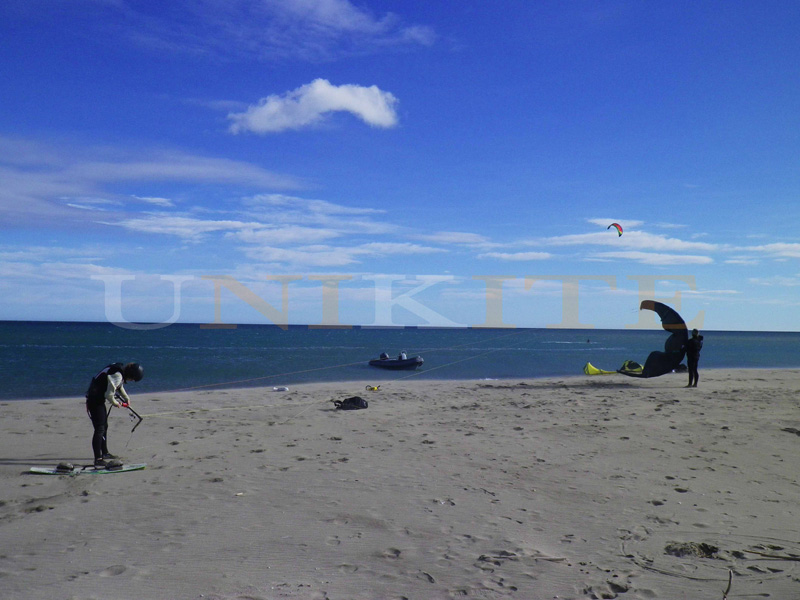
(583, 487)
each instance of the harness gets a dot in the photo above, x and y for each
(99, 383)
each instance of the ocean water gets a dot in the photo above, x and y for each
(55, 359)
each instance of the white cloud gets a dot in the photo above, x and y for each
(398, 248)
(517, 256)
(333, 256)
(184, 227)
(309, 103)
(88, 203)
(283, 209)
(634, 240)
(269, 236)
(776, 281)
(652, 258)
(266, 220)
(741, 261)
(312, 256)
(778, 250)
(163, 202)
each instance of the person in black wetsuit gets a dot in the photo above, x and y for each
(693, 347)
(107, 385)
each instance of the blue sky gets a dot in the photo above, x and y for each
(403, 163)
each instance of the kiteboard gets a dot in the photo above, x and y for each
(88, 470)
(590, 369)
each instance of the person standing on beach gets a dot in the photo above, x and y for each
(693, 347)
(108, 385)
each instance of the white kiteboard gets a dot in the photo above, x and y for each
(90, 470)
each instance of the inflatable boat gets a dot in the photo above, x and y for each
(397, 363)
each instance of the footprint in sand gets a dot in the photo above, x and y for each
(113, 570)
(348, 568)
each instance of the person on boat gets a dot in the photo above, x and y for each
(384, 356)
(402, 356)
(693, 347)
(107, 385)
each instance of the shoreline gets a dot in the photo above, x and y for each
(387, 382)
(571, 487)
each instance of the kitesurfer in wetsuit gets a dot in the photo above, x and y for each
(107, 385)
(693, 346)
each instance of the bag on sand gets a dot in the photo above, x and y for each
(352, 403)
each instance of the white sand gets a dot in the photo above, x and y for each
(559, 488)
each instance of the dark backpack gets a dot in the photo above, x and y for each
(352, 403)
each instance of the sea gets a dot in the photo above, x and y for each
(41, 360)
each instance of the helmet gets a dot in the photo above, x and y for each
(133, 372)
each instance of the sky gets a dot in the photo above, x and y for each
(387, 162)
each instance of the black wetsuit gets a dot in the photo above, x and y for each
(96, 407)
(693, 347)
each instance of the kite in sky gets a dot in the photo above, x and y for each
(616, 226)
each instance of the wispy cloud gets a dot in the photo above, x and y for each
(186, 228)
(390, 248)
(283, 235)
(36, 254)
(263, 220)
(633, 240)
(266, 30)
(333, 256)
(460, 238)
(310, 103)
(776, 281)
(284, 209)
(517, 256)
(163, 202)
(778, 250)
(286, 231)
(654, 258)
(743, 261)
(176, 166)
(55, 184)
(296, 203)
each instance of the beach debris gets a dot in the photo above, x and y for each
(352, 403)
(775, 556)
(429, 577)
(280, 388)
(502, 555)
(728, 589)
(373, 388)
(700, 550)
